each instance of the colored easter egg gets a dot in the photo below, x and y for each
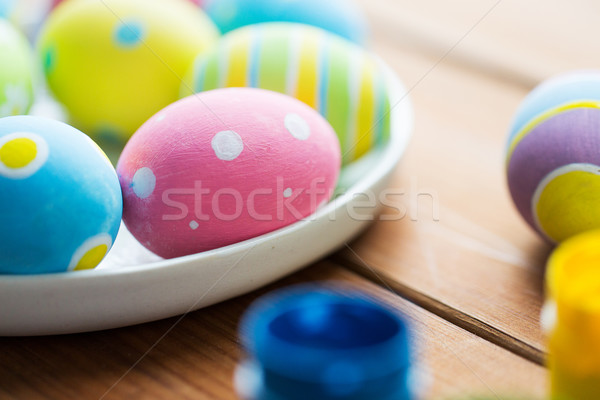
(553, 156)
(16, 72)
(225, 166)
(55, 3)
(114, 63)
(61, 203)
(342, 81)
(342, 17)
(6, 8)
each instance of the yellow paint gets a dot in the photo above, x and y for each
(573, 283)
(574, 272)
(569, 204)
(308, 71)
(366, 109)
(92, 258)
(239, 54)
(18, 153)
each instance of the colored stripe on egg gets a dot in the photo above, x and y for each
(237, 74)
(366, 110)
(198, 78)
(272, 74)
(570, 192)
(255, 47)
(324, 77)
(308, 70)
(354, 83)
(384, 122)
(211, 74)
(530, 126)
(294, 45)
(337, 93)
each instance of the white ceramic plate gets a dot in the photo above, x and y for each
(133, 286)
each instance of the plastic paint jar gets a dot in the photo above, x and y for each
(313, 343)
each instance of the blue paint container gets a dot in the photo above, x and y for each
(313, 343)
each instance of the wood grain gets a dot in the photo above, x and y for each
(447, 312)
(458, 239)
(196, 359)
(520, 42)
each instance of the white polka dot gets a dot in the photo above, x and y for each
(144, 182)
(194, 225)
(297, 126)
(160, 117)
(227, 145)
(287, 193)
(41, 156)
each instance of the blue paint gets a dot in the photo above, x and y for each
(324, 74)
(254, 60)
(199, 76)
(312, 343)
(129, 33)
(342, 17)
(74, 196)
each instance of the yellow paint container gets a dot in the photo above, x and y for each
(572, 318)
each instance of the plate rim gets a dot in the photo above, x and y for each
(401, 129)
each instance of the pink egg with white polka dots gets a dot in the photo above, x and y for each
(224, 166)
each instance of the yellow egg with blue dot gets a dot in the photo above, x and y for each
(114, 63)
(16, 71)
(61, 203)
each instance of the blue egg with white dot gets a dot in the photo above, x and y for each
(342, 17)
(61, 203)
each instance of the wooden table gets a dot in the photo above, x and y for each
(462, 265)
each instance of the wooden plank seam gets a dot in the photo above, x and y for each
(444, 311)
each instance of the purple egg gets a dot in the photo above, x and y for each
(554, 172)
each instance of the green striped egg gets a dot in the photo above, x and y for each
(342, 81)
